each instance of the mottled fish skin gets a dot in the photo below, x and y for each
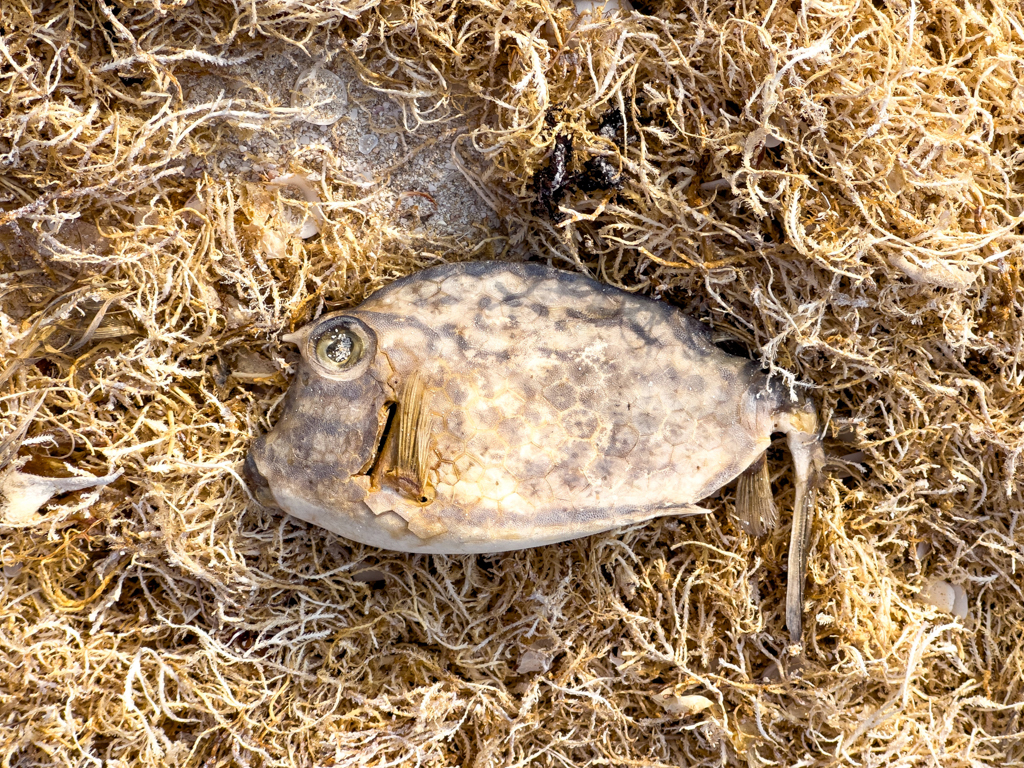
(551, 406)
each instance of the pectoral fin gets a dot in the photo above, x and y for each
(406, 452)
(414, 422)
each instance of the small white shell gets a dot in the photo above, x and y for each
(941, 273)
(320, 97)
(946, 597)
(533, 661)
(680, 706)
(368, 142)
(307, 225)
(716, 186)
(607, 7)
(938, 594)
(25, 494)
(960, 606)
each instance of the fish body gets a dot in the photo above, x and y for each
(492, 406)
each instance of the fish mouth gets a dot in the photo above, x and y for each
(254, 479)
(385, 420)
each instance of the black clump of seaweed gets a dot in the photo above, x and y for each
(599, 173)
(554, 180)
(611, 127)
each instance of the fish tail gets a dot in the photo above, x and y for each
(802, 435)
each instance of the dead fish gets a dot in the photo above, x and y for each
(491, 406)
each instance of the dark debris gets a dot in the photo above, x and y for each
(554, 181)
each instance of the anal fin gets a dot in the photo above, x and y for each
(755, 505)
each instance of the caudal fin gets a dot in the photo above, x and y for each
(801, 428)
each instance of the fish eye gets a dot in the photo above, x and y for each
(338, 347)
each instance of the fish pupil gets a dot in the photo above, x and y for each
(340, 349)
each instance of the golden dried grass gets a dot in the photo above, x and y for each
(873, 256)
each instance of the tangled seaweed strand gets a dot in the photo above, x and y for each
(834, 186)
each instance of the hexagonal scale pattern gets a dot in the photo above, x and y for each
(557, 407)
